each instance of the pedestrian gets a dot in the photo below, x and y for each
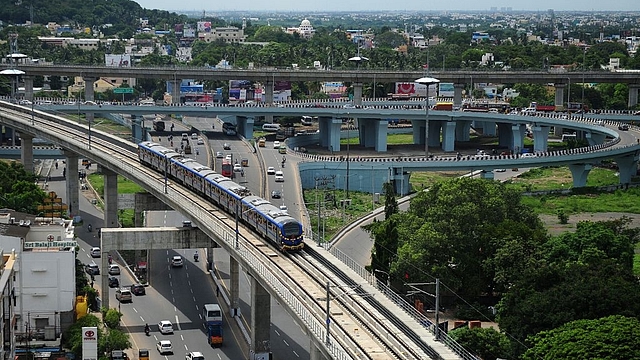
(56, 165)
(64, 172)
(217, 290)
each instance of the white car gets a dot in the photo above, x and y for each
(95, 252)
(228, 157)
(237, 168)
(279, 176)
(114, 269)
(271, 170)
(276, 144)
(219, 155)
(164, 347)
(200, 141)
(176, 261)
(25, 102)
(196, 355)
(194, 136)
(165, 327)
(528, 155)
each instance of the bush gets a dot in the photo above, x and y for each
(563, 217)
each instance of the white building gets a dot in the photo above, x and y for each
(305, 29)
(44, 276)
(230, 34)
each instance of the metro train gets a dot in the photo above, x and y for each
(273, 224)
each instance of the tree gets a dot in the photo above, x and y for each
(390, 202)
(486, 343)
(612, 337)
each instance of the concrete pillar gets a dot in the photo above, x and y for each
(457, 94)
(245, 126)
(540, 138)
(268, 98)
(449, 136)
(260, 321)
(487, 175)
(234, 274)
(210, 260)
(26, 152)
(28, 87)
(557, 130)
(517, 138)
(110, 198)
(580, 172)
(357, 93)
(633, 95)
(175, 91)
(463, 130)
(381, 127)
(72, 180)
(89, 94)
(489, 128)
(594, 138)
(504, 135)
(559, 100)
(627, 167)
(8, 136)
(330, 131)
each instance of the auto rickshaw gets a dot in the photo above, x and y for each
(244, 162)
(143, 354)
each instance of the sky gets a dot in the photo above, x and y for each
(365, 5)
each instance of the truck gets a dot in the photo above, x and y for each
(212, 315)
(545, 108)
(446, 106)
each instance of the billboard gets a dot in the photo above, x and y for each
(204, 26)
(89, 343)
(115, 60)
(189, 33)
(282, 85)
(414, 89)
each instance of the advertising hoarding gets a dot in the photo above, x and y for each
(117, 60)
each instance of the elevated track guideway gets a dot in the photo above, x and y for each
(365, 324)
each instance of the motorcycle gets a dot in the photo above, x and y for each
(283, 164)
(89, 228)
(147, 331)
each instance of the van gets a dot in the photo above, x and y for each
(262, 142)
(271, 127)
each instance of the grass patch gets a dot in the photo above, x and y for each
(557, 178)
(125, 186)
(619, 201)
(422, 180)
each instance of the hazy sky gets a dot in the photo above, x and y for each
(341, 5)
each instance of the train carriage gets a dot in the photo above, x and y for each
(212, 189)
(230, 195)
(276, 225)
(156, 155)
(178, 170)
(194, 175)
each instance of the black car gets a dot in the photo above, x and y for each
(114, 282)
(226, 146)
(623, 127)
(275, 194)
(138, 289)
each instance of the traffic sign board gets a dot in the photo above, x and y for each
(123, 91)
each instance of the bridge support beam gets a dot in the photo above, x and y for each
(627, 167)
(89, 94)
(487, 175)
(449, 136)
(175, 91)
(8, 136)
(357, 93)
(268, 98)
(457, 94)
(540, 138)
(594, 138)
(579, 172)
(234, 277)
(330, 129)
(110, 198)
(260, 322)
(633, 95)
(559, 100)
(28, 87)
(71, 176)
(245, 126)
(518, 132)
(373, 134)
(463, 130)
(26, 152)
(489, 128)
(434, 132)
(400, 180)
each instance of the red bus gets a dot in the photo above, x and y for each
(227, 168)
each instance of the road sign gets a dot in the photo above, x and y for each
(123, 91)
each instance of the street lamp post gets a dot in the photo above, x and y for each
(569, 98)
(166, 165)
(426, 81)
(584, 69)
(415, 289)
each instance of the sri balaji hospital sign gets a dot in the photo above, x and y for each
(50, 243)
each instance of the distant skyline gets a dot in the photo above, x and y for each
(381, 5)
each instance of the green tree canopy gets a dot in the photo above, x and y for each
(613, 337)
(487, 343)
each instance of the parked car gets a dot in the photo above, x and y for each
(164, 347)
(176, 261)
(138, 289)
(124, 295)
(165, 327)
